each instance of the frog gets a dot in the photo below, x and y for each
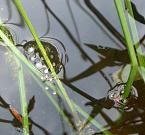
(120, 78)
(33, 54)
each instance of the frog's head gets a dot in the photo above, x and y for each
(116, 94)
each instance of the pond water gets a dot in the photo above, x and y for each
(83, 28)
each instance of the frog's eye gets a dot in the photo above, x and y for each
(51, 56)
(112, 95)
(30, 50)
(33, 58)
(53, 64)
(122, 91)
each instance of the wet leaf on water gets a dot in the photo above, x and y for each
(137, 16)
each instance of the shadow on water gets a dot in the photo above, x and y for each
(109, 57)
(131, 120)
(112, 57)
(78, 45)
(106, 23)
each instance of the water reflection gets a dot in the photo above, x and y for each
(109, 57)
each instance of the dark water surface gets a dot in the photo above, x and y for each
(80, 27)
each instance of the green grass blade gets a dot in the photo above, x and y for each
(93, 121)
(130, 80)
(42, 50)
(141, 58)
(35, 71)
(23, 99)
(126, 32)
(50, 97)
(131, 51)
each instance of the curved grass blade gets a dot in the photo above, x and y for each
(43, 52)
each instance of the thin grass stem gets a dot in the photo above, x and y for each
(131, 51)
(23, 99)
(93, 121)
(131, 78)
(38, 74)
(134, 32)
(43, 52)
